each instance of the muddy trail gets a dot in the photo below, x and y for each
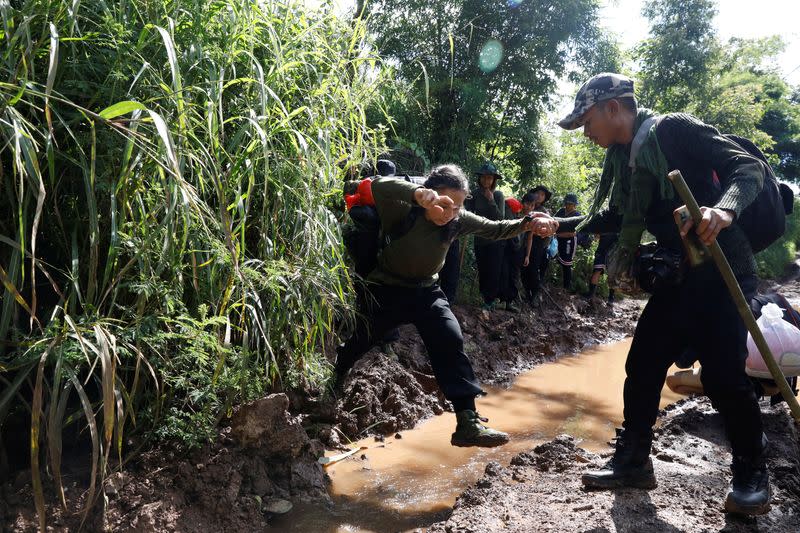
(264, 459)
(540, 490)
(266, 453)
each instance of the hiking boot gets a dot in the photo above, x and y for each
(510, 306)
(749, 492)
(471, 432)
(630, 466)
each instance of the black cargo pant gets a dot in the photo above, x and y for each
(700, 315)
(566, 256)
(428, 309)
(489, 258)
(534, 274)
(509, 271)
(451, 271)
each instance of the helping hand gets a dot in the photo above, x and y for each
(714, 220)
(542, 225)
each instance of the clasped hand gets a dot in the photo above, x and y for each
(440, 209)
(542, 225)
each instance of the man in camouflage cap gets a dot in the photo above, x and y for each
(690, 307)
(604, 86)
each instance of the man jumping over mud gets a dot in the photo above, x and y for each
(690, 307)
(405, 290)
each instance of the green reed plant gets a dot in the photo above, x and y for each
(165, 245)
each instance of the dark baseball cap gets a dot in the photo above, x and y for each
(604, 86)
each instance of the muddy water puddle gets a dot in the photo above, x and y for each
(412, 481)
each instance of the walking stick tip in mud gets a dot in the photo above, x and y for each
(737, 295)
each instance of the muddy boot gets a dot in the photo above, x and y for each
(629, 467)
(470, 431)
(749, 493)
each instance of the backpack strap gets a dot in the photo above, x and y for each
(640, 137)
(402, 227)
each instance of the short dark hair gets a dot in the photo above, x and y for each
(447, 176)
(528, 198)
(627, 103)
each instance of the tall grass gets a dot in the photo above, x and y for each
(165, 244)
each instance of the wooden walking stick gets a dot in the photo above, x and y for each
(738, 297)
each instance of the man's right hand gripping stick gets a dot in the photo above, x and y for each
(738, 297)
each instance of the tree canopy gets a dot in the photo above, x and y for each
(483, 73)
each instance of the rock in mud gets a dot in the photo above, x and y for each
(266, 426)
(557, 455)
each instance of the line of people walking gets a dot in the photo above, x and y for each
(522, 261)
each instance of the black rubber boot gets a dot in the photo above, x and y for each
(749, 493)
(629, 467)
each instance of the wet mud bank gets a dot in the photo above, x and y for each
(265, 455)
(261, 459)
(540, 489)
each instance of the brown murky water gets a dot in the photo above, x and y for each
(411, 482)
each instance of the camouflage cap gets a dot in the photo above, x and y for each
(603, 86)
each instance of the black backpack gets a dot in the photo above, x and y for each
(764, 220)
(790, 314)
(363, 236)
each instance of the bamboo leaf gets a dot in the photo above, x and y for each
(105, 344)
(121, 108)
(9, 285)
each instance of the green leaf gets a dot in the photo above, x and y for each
(121, 108)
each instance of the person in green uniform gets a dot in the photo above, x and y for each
(487, 201)
(405, 289)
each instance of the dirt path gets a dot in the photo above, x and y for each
(382, 395)
(266, 453)
(541, 491)
(227, 485)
